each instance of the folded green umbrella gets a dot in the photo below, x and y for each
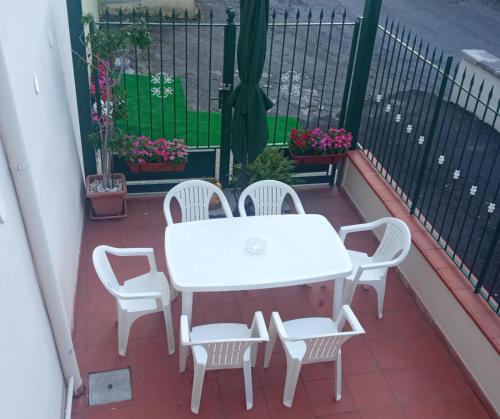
(249, 126)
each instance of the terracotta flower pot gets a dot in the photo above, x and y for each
(316, 158)
(107, 205)
(157, 167)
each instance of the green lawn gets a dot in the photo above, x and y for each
(200, 129)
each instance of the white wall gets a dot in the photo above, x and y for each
(470, 344)
(34, 38)
(31, 382)
(485, 67)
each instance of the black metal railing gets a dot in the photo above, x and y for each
(172, 86)
(429, 128)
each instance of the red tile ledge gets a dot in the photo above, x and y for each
(475, 306)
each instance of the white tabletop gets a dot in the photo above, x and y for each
(212, 255)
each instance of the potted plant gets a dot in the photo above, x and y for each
(142, 154)
(271, 164)
(106, 57)
(318, 147)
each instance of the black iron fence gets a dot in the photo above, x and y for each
(429, 127)
(176, 87)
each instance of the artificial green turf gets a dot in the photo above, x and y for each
(201, 128)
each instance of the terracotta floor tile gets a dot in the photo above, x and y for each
(275, 374)
(321, 395)
(155, 410)
(350, 415)
(232, 380)
(461, 408)
(386, 412)
(234, 405)
(102, 329)
(216, 313)
(293, 307)
(424, 384)
(111, 413)
(409, 351)
(408, 322)
(248, 309)
(301, 408)
(438, 258)
(370, 390)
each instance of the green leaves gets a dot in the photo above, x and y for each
(270, 164)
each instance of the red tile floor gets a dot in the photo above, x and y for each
(399, 369)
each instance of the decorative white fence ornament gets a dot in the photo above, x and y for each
(160, 89)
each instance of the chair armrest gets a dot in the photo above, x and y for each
(184, 331)
(259, 328)
(137, 295)
(278, 324)
(351, 318)
(355, 228)
(297, 203)
(138, 251)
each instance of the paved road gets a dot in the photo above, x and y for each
(449, 24)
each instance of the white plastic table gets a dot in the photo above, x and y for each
(247, 253)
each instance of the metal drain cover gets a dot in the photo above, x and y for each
(109, 386)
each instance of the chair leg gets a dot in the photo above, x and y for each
(292, 375)
(183, 356)
(338, 380)
(247, 375)
(273, 336)
(380, 290)
(124, 324)
(198, 377)
(167, 314)
(173, 293)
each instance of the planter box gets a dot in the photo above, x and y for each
(157, 167)
(316, 158)
(107, 205)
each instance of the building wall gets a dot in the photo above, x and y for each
(31, 382)
(34, 39)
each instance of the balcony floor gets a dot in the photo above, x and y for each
(399, 369)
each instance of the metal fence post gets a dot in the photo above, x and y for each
(430, 136)
(224, 91)
(361, 67)
(82, 87)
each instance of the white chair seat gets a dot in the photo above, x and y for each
(220, 331)
(358, 259)
(310, 326)
(149, 282)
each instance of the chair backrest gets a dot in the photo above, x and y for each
(321, 347)
(104, 269)
(194, 199)
(395, 243)
(267, 197)
(226, 353)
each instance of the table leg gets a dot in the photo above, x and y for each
(337, 296)
(187, 309)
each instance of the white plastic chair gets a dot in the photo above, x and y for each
(267, 197)
(145, 294)
(372, 270)
(194, 199)
(310, 340)
(221, 346)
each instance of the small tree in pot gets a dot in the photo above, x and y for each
(107, 58)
